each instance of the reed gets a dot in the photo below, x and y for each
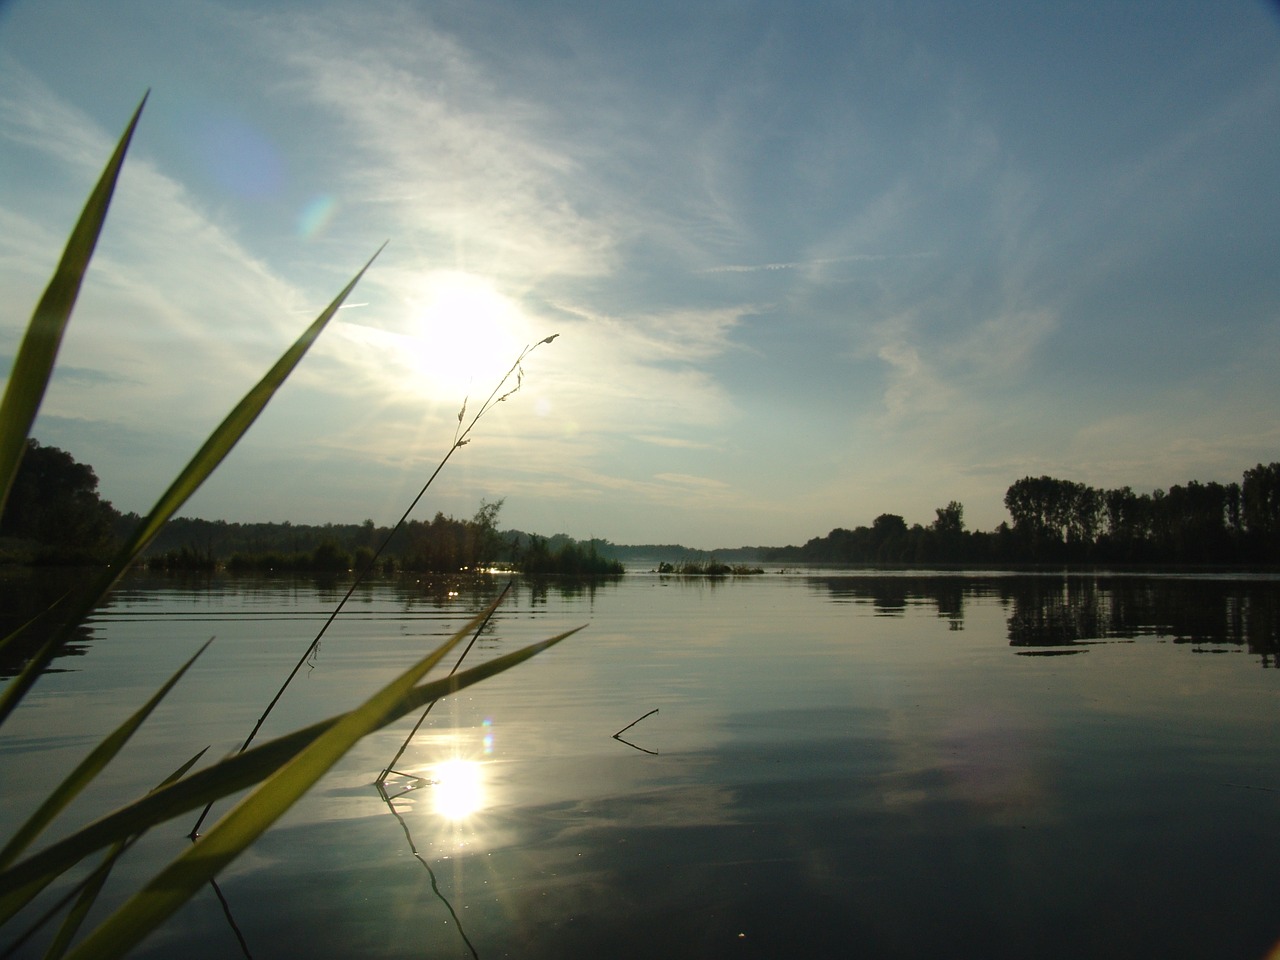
(281, 770)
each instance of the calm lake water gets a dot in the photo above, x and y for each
(842, 764)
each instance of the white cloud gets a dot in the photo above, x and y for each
(443, 158)
(171, 299)
(685, 480)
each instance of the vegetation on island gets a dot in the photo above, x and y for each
(711, 568)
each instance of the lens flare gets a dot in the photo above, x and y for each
(315, 216)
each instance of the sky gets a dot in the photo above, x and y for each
(807, 263)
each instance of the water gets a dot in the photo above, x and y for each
(841, 764)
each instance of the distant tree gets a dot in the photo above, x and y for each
(486, 544)
(889, 538)
(944, 539)
(950, 519)
(54, 501)
(1193, 522)
(1054, 518)
(1035, 505)
(1260, 510)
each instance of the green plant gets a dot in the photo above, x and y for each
(280, 770)
(712, 568)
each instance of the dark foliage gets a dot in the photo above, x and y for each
(1056, 521)
(569, 559)
(54, 504)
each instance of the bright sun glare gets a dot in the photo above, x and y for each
(466, 335)
(458, 789)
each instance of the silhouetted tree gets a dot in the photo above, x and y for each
(889, 538)
(1192, 523)
(54, 501)
(945, 537)
(1260, 510)
(486, 544)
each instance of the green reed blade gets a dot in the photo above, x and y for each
(23, 880)
(92, 885)
(248, 820)
(206, 459)
(33, 364)
(89, 768)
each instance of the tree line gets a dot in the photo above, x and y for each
(1065, 521)
(55, 514)
(441, 545)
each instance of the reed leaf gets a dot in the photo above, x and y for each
(33, 363)
(20, 882)
(205, 461)
(249, 819)
(89, 768)
(89, 888)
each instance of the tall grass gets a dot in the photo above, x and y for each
(281, 770)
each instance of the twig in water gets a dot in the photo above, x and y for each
(388, 770)
(634, 722)
(618, 736)
(460, 440)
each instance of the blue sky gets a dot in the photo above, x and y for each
(808, 262)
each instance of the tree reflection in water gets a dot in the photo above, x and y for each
(1054, 611)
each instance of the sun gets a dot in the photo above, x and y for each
(464, 334)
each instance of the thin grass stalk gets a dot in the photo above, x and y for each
(382, 777)
(34, 361)
(459, 440)
(20, 882)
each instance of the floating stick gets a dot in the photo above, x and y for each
(618, 736)
(634, 722)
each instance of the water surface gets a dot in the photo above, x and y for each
(841, 764)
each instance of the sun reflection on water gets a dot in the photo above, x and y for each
(458, 789)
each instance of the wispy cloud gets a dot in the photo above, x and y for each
(436, 151)
(685, 480)
(171, 295)
(813, 262)
(680, 443)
